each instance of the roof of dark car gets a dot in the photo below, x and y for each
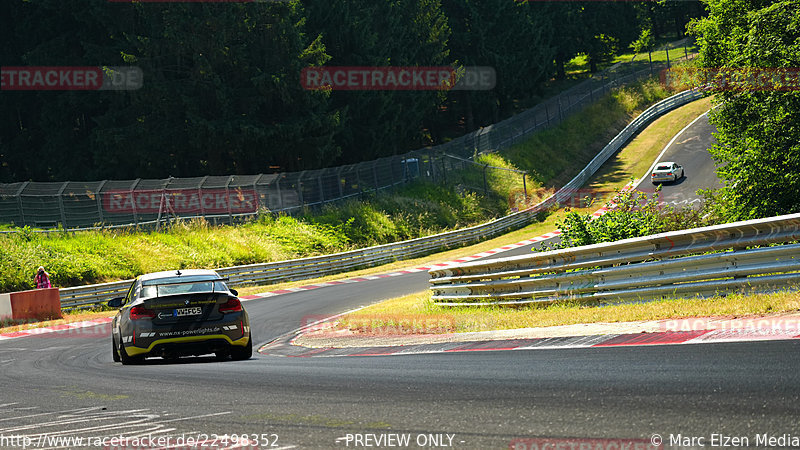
(193, 273)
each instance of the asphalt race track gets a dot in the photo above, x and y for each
(65, 384)
(689, 149)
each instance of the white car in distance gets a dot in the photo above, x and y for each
(666, 171)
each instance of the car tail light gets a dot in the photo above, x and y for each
(669, 174)
(142, 313)
(232, 305)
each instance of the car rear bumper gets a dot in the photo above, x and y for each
(662, 179)
(190, 345)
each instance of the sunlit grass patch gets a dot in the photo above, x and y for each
(420, 307)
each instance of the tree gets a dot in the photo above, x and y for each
(758, 137)
(382, 33)
(221, 92)
(515, 38)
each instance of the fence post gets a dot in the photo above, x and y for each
(321, 190)
(525, 187)
(19, 201)
(160, 209)
(61, 204)
(375, 174)
(256, 196)
(97, 197)
(228, 199)
(300, 189)
(200, 195)
(133, 201)
(431, 166)
(394, 175)
(278, 190)
(667, 47)
(444, 170)
(358, 180)
(485, 184)
(339, 181)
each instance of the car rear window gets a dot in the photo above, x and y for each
(158, 290)
(663, 168)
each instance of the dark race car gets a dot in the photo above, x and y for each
(180, 313)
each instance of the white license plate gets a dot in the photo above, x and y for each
(188, 312)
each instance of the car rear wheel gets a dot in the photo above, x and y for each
(242, 353)
(127, 360)
(114, 349)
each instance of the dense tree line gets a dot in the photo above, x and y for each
(758, 149)
(222, 92)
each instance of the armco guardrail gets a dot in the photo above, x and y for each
(300, 269)
(696, 262)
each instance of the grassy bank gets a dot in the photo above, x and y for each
(554, 156)
(96, 256)
(413, 211)
(419, 309)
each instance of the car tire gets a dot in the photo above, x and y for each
(242, 353)
(114, 349)
(128, 360)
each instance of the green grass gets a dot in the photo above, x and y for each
(419, 309)
(76, 258)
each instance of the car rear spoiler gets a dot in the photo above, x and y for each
(186, 299)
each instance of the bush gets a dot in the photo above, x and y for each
(635, 215)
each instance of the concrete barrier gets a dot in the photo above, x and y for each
(36, 304)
